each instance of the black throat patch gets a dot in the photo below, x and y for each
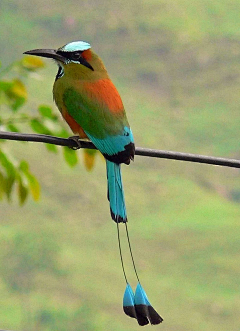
(60, 73)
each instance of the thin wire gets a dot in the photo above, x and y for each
(120, 252)
(220, 161)
(130, 249)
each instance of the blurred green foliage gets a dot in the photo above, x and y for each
(13, 96)
(24, 255)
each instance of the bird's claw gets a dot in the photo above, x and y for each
(77, 141)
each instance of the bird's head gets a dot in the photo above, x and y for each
(74, 56)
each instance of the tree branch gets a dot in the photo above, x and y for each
(139, 150)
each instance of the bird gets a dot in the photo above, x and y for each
(92, 107)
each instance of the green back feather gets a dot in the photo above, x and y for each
(93, 116)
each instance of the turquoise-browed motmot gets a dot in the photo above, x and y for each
(91, 105)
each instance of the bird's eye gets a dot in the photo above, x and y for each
(76, 56)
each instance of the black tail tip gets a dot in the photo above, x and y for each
(147, 314)
(130, 311)
(118, 218)
(144, 314)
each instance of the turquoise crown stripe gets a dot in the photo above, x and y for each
(76, 46)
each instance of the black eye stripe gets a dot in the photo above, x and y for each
(71, 55)
(75, 56)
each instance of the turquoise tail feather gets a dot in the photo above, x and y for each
(128, 302)
(116, 193)
(138, 306)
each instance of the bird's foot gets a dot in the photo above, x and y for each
(77, 142)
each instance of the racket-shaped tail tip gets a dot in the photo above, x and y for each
(128, 302)
(145, 312)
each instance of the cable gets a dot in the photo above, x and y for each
(220, 161)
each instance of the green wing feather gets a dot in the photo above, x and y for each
(95, 119)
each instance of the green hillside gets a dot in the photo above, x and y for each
(176, 65)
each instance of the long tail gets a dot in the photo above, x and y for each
(137, 305)
(116, 193)
(134, 305)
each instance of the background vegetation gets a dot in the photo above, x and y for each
(176, 65)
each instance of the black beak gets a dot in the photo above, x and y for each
(50, 53)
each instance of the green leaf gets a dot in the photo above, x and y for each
(2, 186)
(4, 100)
(17, 94)
(38, 127)
(32, 63)
(34, 188)
(18, 89)
(22, 191)
(17, 103)
(52, 148)
(9, 181)
(70, 156)
(5, 85)
(34, 185)
(46, 111)
(63, 133)
(7, 164)
(11, 127)
(24, 167)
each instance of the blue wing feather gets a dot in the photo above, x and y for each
(112, 145)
